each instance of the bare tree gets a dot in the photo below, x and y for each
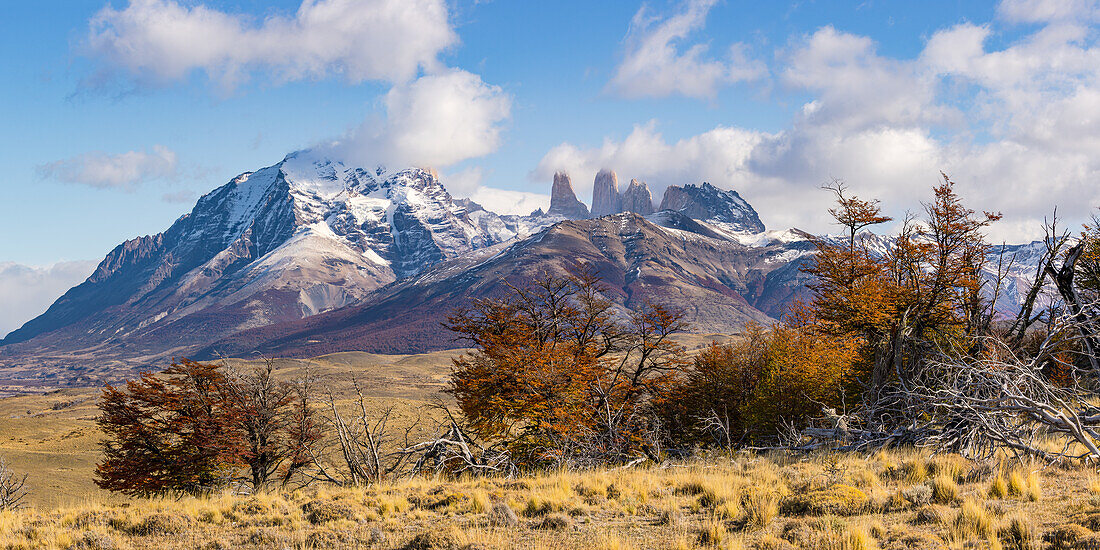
(276, 421)
(12, 488)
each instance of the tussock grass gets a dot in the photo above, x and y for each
(826, 501)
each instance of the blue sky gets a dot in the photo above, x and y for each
(117, 116)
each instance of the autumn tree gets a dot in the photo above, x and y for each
(806, 369)
(708, 407)
(172, 433)
(924, 291)
(559, 374)
(770, 376)
(193, 426)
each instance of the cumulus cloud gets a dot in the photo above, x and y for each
(719, 155)
(1014, 124)
(27, 291)
(1041, 11)
(658, 62)
(468, 183)
(436, 120)
(161, 41)
(124, 171)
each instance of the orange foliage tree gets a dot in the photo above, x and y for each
(559, 374)
(748, 389)
(925, 291)
(192, 427)
(168, 434)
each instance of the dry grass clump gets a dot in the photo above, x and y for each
(325, 511)
(713, 533)
(1019, 533)
(157, 524)
(830, 534)
(1067, 536)
(973, 521)
(944, 489)
(760, 508)
(824, 501)
(555, 522)
(502, 515)
(841, 500)
(917, 495)
(998, 488)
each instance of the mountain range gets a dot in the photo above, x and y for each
(312, 256)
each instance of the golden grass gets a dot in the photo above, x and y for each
(827, 501)
(898, 498)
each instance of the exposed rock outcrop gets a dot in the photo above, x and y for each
(708, 203)
(563, 201)
(637, 198)
(605, 194)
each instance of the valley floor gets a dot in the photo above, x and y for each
(893, 499)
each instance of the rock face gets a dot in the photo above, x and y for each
(637, 198)
(563, 201)
(725, 209)
(605, 194)
(660, 259)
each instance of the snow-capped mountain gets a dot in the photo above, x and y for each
(663, 258)
(725, 209)
(315, 255)
(306, 235)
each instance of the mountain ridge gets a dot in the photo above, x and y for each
(312, 255)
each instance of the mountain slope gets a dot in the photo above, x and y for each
(294, 239)
(718, 283)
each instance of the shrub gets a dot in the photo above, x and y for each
(324, 511)
(1066, 537)
(841, 500)
(501, 515)
(12, 488)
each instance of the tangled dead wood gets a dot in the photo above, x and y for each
(978, 404)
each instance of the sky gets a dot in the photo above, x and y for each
(118, 116)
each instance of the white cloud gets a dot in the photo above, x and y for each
(1015, 125)
(467, 183)
(1040, 11)
(718, 155)
(436, 120)
(124, 171)
(504, 201)
(657, 62)
(160, 41)
(26, 291)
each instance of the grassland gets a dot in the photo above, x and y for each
(891, 499)
(894, 499)
(53, 438)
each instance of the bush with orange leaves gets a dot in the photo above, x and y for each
(746, 390)
(558, 376)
